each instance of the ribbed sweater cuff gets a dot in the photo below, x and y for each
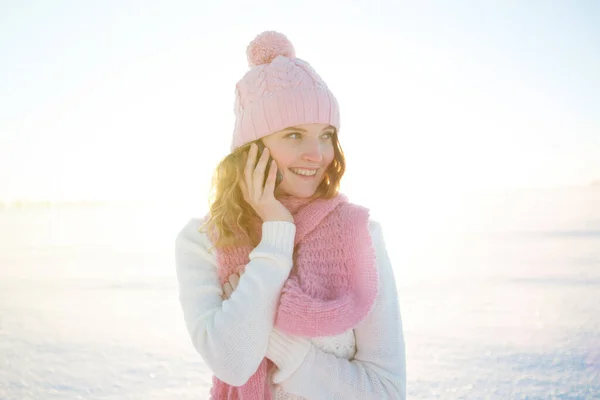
(278, 237)
(287, 352)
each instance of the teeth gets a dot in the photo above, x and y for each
(305, 172)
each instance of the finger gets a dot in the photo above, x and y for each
(270, 185)
(259, 173)
(244, 190)
(234, 279)
(227, 289)
(249, 168)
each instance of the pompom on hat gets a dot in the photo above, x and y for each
(267, 46)
(279, 91)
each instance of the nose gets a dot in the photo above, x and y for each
(312, 151)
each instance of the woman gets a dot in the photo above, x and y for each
(286, 287)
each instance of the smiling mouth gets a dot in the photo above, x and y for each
(304, 172)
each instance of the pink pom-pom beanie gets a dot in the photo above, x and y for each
(279, 91)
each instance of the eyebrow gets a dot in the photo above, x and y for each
(294, 128)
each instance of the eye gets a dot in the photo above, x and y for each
(294, 135)
(327, 135)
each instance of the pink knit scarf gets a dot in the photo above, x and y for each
(331, 287)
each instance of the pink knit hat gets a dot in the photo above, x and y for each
(279, 91)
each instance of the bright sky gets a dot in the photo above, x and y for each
(129, 100)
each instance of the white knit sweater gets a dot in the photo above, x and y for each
(233, 336)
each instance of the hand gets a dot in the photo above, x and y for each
(262, 199)
(230, 285)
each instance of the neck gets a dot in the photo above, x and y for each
(293, 203)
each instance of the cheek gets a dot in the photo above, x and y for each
(283, 159)
(329, 155)
(279, 154)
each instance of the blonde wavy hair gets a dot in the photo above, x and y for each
(230, 214)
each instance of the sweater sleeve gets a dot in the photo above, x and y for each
(232, 335)
(378, 370)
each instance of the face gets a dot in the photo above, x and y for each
(302, 153)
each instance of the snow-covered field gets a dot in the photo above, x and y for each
(89, 310)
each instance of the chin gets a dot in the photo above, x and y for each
(302, 193)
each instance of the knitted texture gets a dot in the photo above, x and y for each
(331, 287)
(279, 91)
